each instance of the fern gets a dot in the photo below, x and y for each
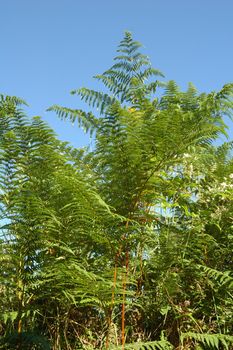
(223, 278)
(43, 199)
(131, 235)
(214, 341)
(86, 121)
(162, 344)
(153, 345)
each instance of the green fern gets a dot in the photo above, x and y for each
(113, 237)
(224, 278)
(162, 344)
(85, 120)
(215, 341)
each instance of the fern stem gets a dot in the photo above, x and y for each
(112, 300)
(20, 293)
(125, 274)
(123, 315)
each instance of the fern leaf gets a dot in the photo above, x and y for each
(211, 340)
(86, 121)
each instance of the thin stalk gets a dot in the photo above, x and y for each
(20, 296)
(112, 300)
(124, 284)
(125, 275)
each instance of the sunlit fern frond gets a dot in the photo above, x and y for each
(215, 341)
(222, 278)
(86, 121)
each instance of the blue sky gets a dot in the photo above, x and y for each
(49, 47)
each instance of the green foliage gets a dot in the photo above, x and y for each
(213, 341)
(110, 249)
(85, 120)
(154, 345)
(28, 341)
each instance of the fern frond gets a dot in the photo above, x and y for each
(149, 72)
(162, 344)
(224, 278)
(127, 44)
(95, 99)
(16, 101)
(212, 340)
(86, 121)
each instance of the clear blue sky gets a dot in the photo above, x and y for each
(49, 47)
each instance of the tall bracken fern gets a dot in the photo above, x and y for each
(49, 214)
(149, 164)
(129, 245)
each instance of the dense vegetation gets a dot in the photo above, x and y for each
(128, 246)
